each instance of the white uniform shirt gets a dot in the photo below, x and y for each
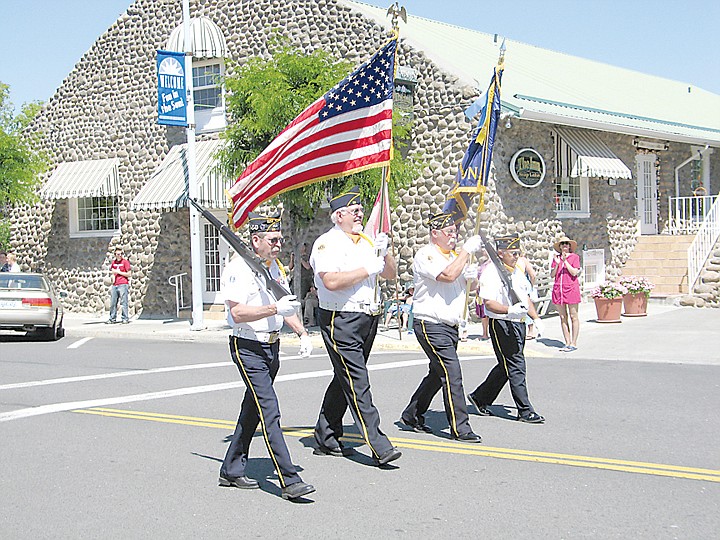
(335, 251)
(240, 284)
(491, 287)
(434, 300)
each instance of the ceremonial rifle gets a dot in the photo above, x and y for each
(254, 262)
(502, 271)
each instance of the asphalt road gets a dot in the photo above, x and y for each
(124, 438)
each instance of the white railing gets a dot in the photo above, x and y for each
(177, 282)
(699, 250)
(686, 214)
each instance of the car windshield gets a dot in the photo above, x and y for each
(18, 281)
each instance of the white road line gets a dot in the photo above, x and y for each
(68, 406)
(79, 343)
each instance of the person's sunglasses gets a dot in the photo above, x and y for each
(275, 241)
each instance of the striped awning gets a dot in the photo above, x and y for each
(167, 188)
(582, 153)
(206, 39)
(93, 178)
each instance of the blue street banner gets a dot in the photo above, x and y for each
(172, 95)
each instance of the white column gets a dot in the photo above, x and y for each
(195, 235)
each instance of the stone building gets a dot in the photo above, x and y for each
(599, 153)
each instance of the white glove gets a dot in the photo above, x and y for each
(471, 272)
(517, 311)
(374, 265)
(538, 327)
(473, 244)
(306, 346)
(381, 244)
(287, 305)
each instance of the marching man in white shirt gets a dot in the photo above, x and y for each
(346, 265)
(441, 275)
(256, 318)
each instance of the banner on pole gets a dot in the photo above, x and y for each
(172, 94)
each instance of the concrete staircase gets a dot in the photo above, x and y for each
(663, 260)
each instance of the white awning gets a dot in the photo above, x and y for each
(94, 178)
(167, 188)
(582, 153)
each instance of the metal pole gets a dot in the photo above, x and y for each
(195, 243)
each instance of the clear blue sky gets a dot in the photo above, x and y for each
(41, 40)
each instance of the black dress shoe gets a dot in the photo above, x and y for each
(293, 491)
(482, 410)
(416, 425)
(242, 482)
(469, 437)
(387, 457)
(337, 451)
(532, 418)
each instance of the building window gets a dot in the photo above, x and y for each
(94, 216)
(572, 197)
(208, 95)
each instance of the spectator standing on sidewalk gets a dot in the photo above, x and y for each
(565, 268)
(120, 271)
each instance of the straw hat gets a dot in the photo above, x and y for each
(573, 244)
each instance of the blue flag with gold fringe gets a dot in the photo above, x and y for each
(474, 170)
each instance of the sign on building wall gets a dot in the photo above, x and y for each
(527, 168)
(172, 95)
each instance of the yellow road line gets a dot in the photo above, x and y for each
(448, 446)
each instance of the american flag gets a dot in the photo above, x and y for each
(347, 130)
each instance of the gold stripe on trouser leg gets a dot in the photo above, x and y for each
(499, 348)
(260, 414)
(352, 386)
(447, 380)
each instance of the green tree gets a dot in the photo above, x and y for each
(265, 95)
(20, 163)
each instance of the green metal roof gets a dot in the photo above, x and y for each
(544, 85)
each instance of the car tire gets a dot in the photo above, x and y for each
(46, 334)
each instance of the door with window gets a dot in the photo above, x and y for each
(215, 256)
(647, 203)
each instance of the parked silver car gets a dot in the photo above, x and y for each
(28, 303)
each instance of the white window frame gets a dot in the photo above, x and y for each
(74, 221)
(584, 211)
(210, 120)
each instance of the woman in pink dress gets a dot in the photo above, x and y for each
(566, 290)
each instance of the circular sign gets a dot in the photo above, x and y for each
(527, 167)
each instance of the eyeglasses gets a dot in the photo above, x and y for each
(564, 243)
(449, 231)
(275, 241)
(355, 211)
(513, 253)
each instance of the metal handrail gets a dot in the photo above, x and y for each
(702, 245)
(177, 282)
(686, 214)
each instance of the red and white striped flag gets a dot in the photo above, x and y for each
(347, 130)
(381, 207)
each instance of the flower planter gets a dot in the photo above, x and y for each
(635, 305)
(608, 309)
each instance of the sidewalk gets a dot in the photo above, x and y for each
(667, 334)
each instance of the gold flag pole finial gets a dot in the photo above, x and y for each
(395, 11)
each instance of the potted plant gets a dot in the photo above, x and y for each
(635, 300)
(608, 301)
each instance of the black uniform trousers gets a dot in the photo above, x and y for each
(508, 339)
(440, 341)
(348, 339)
(258, 364)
